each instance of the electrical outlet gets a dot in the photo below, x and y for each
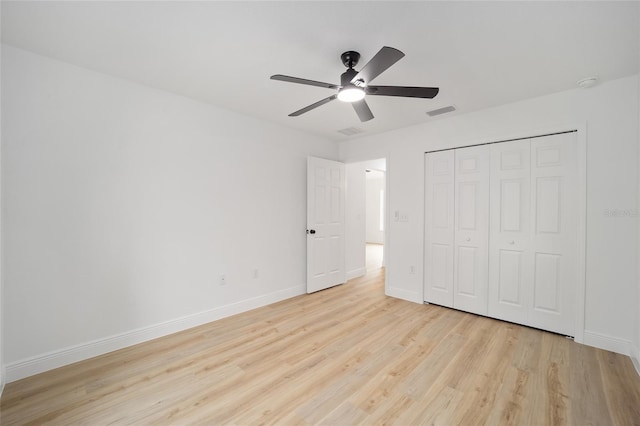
(223, 279)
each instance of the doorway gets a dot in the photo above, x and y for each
(366, 254)
(363, 258)
(375, 195)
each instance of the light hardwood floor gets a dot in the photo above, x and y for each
(347, 355)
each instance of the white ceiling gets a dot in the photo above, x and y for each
(480, 54)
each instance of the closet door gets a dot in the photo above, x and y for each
(471, 251)
(554, 237)
(510, 266)
(439, 225)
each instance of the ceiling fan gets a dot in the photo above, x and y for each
(355, 85)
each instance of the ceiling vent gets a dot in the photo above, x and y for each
(350, 131)
(439, 111)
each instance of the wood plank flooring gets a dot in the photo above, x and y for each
(343, 356)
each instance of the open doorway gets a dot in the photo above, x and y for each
(366, 218)
(375, 194)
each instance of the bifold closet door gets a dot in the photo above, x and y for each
(554, 184)
(510, 231)
(439, 227)
(471, 235)
(533, 232)
(501, 230)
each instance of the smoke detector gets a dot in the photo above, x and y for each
(587, 82)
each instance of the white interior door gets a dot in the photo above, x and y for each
(325, 224)
(439, 227)
(554, 205)
(534, 230)
(510, 231)
(471, 249)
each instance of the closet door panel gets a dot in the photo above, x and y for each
(471, 229)
(554, 236)
(510, 267)
(510, 278)
(439, 227)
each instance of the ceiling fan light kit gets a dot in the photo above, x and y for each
(350, 94)
(355, 85)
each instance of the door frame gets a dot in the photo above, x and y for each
(387, 222)
(581, 244)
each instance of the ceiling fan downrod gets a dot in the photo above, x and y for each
(350, 60)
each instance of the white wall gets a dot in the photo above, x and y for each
(123, 205)
(375, 183)
(636, 349)
(636, 341)
(610, 112)
(2, 368)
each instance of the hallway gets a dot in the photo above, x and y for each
(374, 256)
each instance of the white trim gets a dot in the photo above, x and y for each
(581, 260)
(48, 361)
(387, 223)
(635, 358)
(355, 273)
(424, 228)
(549, 129)
(400, 293)
(3, 375)
(608, 343)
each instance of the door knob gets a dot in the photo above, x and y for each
(311, 231)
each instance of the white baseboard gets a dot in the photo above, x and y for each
(613, 344)
(3, 375)
(635, 357)
(48, 361)
(403, 294)
(355, 273)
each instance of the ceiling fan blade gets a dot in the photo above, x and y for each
(405, 92)
(289, 79)
(312, 106)
(363, 111)
(386, 57)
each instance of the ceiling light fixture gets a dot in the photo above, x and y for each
(351, 93)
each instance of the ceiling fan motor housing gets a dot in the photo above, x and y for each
(347, 76)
